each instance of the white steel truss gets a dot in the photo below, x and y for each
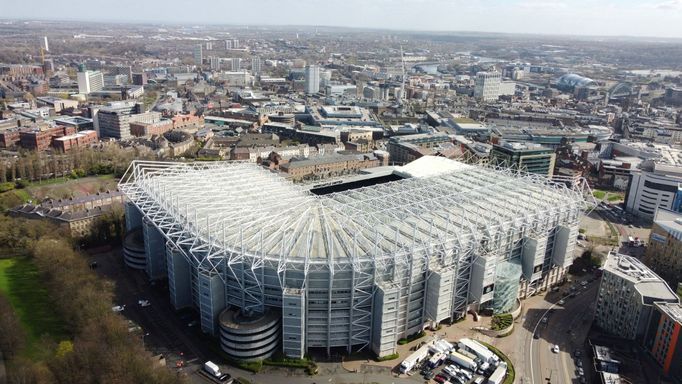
(237, 219)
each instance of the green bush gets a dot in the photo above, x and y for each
(21, 184)
(388, 357)
(411, 338)
(502, 321)
(581, 230)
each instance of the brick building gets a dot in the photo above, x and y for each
(9, 138)
(187, 122)
(78, 140)
(145, 129)
(41, 139)
(326, 166)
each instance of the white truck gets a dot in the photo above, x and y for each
(411, 361)
(479, 350)
(498, 376)
(462, 361)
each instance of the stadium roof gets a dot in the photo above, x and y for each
(240, 208)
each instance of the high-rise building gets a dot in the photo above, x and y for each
(487, 86)
(215, 62)
(114, 119)
(209, 46)
(658, 186)
(325, 78)
(90, 81)
(664, 251)
(627, 293)
(664, 339)
(44, 44)
(255, 65)
(312, 79)
(235, 64)
(525, 157)
(232, 44)
(140, 78)
(198, 54)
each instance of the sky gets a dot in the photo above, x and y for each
(655, 18)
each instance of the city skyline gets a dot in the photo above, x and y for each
(652, 18)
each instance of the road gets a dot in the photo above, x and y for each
(567, 326)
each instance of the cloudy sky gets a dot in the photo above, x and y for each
(581, 17)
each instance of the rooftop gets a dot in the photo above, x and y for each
(282, 222)
(670, 221)
(645, 281)
(674, 310)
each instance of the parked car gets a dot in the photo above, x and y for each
(144, 303)
(118, 308)
(555, 348)
(562, 302)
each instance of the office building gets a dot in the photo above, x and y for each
(487, 86)
(346, 269)
(312, 79)
(198, 54)
(659, 186)
(627, 294)
(524, 157)
(113, 120)
(90, 81)
(664, 251)
(140, 78)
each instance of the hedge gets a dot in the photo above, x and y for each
(389, 357)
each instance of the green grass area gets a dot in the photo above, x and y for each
(615, 197)
(598, 194)
(511, 374)
(20, 282)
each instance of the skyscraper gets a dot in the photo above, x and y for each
(44, 44)
(198, 54)
(487, 86)
(312, 79)
(255, 65)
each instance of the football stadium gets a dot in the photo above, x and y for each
(355, 265)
